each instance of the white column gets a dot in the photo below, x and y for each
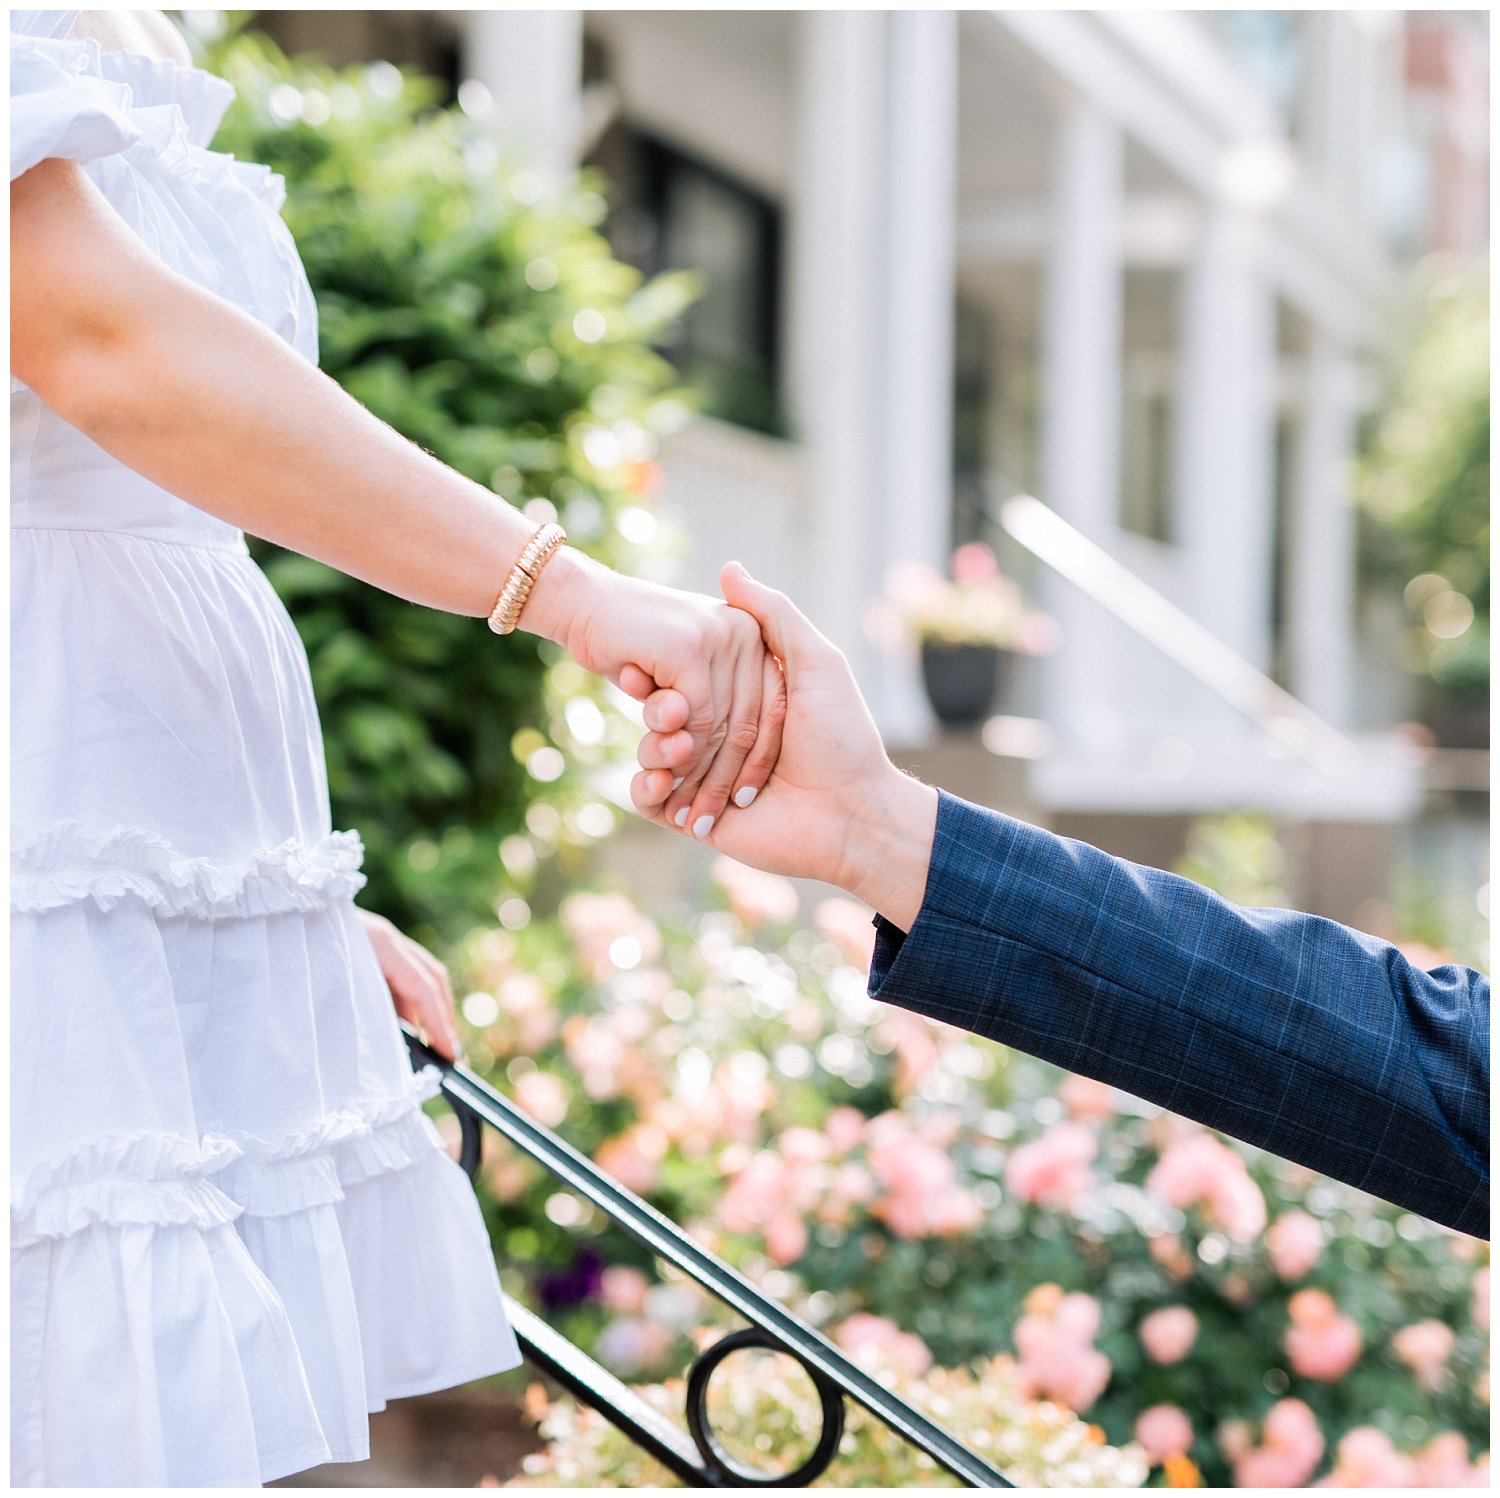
(1320, 568)
(532, 63)
(920, 213)
(1080, 426)
(1226, 434)
(835, 316)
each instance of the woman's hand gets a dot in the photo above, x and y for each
(649, 639)
(835, 808)
(420, 988)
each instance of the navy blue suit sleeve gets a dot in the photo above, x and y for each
(1319, 1043)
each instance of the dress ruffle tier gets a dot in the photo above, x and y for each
(234, 1230)
(286, 1231)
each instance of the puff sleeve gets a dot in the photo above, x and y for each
(59, 107)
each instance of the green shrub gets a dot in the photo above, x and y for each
(486, 320)
(1425, 480)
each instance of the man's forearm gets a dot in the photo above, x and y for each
(1289, 1031)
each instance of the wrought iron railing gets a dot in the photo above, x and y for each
(695, 1454)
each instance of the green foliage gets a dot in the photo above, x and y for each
(1238, 855)
(486, 320)
(1425, 479)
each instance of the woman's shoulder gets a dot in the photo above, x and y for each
(61, 103)
(146, 33)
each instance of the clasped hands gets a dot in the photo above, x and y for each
(746, 704)
(757, 740)
(818, 798)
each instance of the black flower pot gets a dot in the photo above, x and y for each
(961, 681)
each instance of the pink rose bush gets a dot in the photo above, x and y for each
(935, 1202)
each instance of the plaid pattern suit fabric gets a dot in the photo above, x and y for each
(1319, 1043)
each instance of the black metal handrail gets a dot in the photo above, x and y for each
(696, 1456)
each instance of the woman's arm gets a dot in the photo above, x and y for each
(199, 398)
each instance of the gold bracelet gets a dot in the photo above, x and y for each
(535, 555)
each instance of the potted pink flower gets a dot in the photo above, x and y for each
(966, 628)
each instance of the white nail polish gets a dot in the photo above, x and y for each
(746, 794)
(682, 815)
(702, 827)
(678, 781)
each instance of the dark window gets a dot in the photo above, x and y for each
(672, 211)
(973, 389)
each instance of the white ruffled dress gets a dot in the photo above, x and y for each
(234, 1232)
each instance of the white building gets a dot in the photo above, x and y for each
(1141, 265)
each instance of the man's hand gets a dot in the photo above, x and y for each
(835, 808)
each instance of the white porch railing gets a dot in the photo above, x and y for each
(736, 495)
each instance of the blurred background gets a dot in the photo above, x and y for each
(832, 292)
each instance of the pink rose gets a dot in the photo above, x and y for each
(849, 926)
(786, 1239)
(876, 1340)
(851, 1186)
(1167, 1250)
(1237, 1204)
(1056, 1358)
(1444, 1463)
(845, 1127)
(1083, 1097)
(623, 1289)
(1054, 1169)
(757, 899)
(1292, 1450)
(753, 1194)
(1270, 1467)
(1198, 1170)
(952, 1212)
(1482, 1298)
(1235, 1439)
(1366, 1459)
(540, 1094)
(1425, 1347)
(634, 1157)
(1295, 1243)
(1168, 1334)
(1163, 1431)
(1320, 1343)
(1187, 1170)
(914, 1043)
(802, 1145)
